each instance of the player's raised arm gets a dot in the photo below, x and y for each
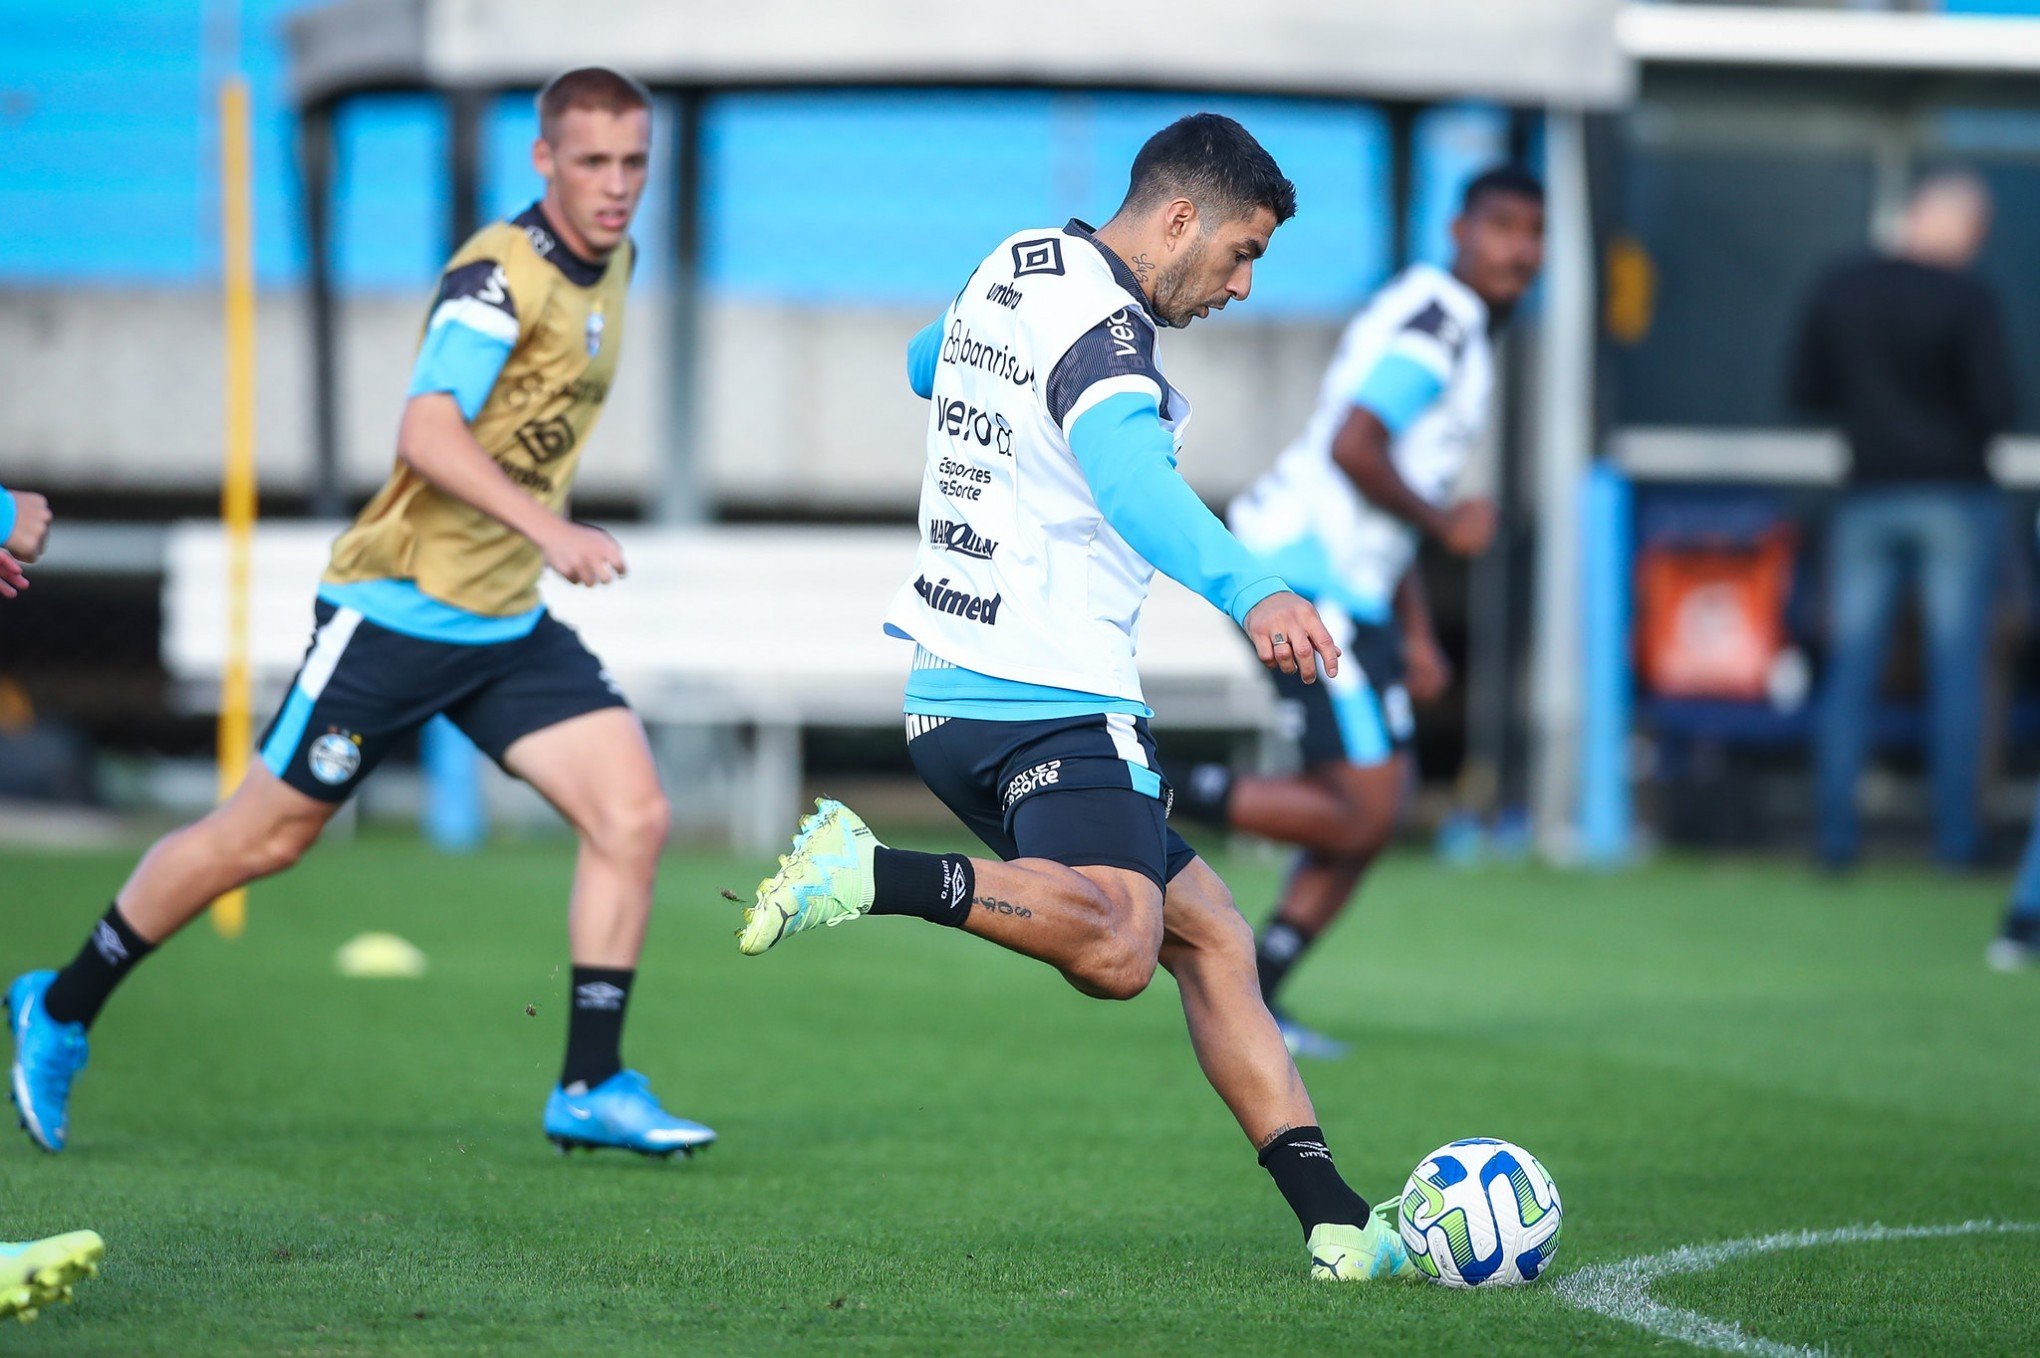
(1106, 394)
(1404, 384)
(473, 331)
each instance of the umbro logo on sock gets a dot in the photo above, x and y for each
(108, 945)
(598, 995)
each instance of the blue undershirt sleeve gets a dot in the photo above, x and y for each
(468, 337)
(7, 514)
(1397, 390)
(1129, 459)
(462, 362)
(922, 352)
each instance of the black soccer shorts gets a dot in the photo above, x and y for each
(364, 687)
(1081, 791)
(1361, 717)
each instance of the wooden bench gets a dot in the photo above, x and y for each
(766, 631)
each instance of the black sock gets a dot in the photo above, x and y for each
(109, 954)
(595, 1025)
(936, 886)
(1279, 948)
(1202, 796)
(2023, 928)
(1302, 1168)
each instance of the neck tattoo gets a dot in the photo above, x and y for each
(1143, 268)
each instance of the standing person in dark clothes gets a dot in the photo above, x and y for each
(1906, 352)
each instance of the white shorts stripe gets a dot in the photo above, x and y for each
(331, 640)
(919, 724)
(1119, 725)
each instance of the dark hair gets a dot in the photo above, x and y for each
(1509, 179)
(1216, 164)
(589, 87)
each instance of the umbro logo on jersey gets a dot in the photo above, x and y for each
(958, 538)
(1004, 294)
(598, 995)
(1038, 256)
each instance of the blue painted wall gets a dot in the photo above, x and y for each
(108, 150)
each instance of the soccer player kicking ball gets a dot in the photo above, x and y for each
(1339, 516)
(430, 605)
(1051, 498)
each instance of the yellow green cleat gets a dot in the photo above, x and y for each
(825, 879)
(1358, 1254)
(36, 1273)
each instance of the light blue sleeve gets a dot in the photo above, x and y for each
(1397, 390)
(922, 352)
(1129, 459)
(461, 361)
(7, 513)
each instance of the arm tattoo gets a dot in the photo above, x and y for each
(1265, 1142)
(999, 907)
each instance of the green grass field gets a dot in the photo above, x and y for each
(930, 1146)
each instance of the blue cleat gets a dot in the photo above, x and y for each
(621, 1113)
(47, 1056)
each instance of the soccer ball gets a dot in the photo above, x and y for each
(1480, 1213)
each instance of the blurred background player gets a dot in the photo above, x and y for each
(1401, 410)
(1051, 497)
(36, 1273)
(1907, 353)
(430, 605)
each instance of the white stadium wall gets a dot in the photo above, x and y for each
(804, 410)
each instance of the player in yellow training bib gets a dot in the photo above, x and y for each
(430, 606)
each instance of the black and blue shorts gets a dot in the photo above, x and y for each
(1363, 716)
(363, 687)
(1081, 791)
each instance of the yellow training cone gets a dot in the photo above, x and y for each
(379, 955)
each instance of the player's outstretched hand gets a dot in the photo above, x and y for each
(1289, 636)
(583, 554)
(1469, 526)
(12, 579)
(31, 527)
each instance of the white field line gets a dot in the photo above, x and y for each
(1621, 1290)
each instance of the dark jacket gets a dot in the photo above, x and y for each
(1910, 360)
